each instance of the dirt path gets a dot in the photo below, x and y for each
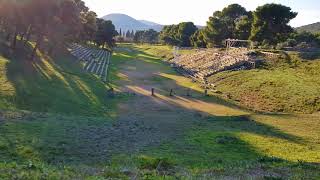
(146, 121)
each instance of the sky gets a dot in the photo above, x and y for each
(198, 11)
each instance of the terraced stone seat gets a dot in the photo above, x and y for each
(204, 63)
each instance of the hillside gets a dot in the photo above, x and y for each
(67, 131)
(125, 23)
(273, 86)
(287, 83)
(49, 84)
(313, 28)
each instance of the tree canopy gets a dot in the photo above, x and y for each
(270, 23)
(178, 35)
(198, 39)
(52, 21)
(147, 36)
(232, 22)
(105, 33)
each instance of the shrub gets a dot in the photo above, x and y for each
(281, 45)
(267, 159)
(303, 45)
(160, 164)
(291, 42)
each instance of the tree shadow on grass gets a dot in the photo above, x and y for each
(181, 128)
(55, 84)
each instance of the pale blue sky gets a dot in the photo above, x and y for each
(197, 11)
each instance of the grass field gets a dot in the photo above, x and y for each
(39, 85)
(282, 86)
(134, 135)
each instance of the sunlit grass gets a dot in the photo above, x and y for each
(216, 138)
(51, 84)
(282, 89)
(7, 88)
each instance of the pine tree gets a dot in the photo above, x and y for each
(128, 34)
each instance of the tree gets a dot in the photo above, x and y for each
(270, 23)
(90, 27)
(215, 32)
(45, 15)
(232, 22)
(178, 35)
(169, 35)
(138, 37)
(198, 40)
(148, 36)
(128, 34)
(230, 16)
(53, 22)
(243, 27)
(305, 37)
(105, 34)
(151, 36)
(186, 30)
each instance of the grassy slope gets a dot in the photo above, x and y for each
(37, 145)
(55, 84)
(247, 145)
(278, 87)
(45, 110)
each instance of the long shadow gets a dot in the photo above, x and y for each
(54, 84)
(151, 59)
(161, 126)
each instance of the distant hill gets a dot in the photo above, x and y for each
(125, 23)
(149, 23)
(313, 28)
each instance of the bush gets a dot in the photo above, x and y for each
(281, 45)
(162, 164)
(291, 42)
(272, 159)
(303, 45)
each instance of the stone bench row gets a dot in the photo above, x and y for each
(96, 61)
(206, 63)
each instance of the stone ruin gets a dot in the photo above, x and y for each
(206, 62)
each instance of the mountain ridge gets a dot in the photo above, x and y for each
(128, 23)
(312, 28)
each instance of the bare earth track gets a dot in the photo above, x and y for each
(145, 122)
(195, 137)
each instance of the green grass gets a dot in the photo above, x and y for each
(39, 86)
(281, 86)
(162, 51)
(216, 146)
(62, 139)
(36, 145)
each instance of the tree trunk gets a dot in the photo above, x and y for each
(34, 52)
(14, 43)
(28, 34)
(8, 36)
(22, 37)
(50, 50)
(27, 38)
